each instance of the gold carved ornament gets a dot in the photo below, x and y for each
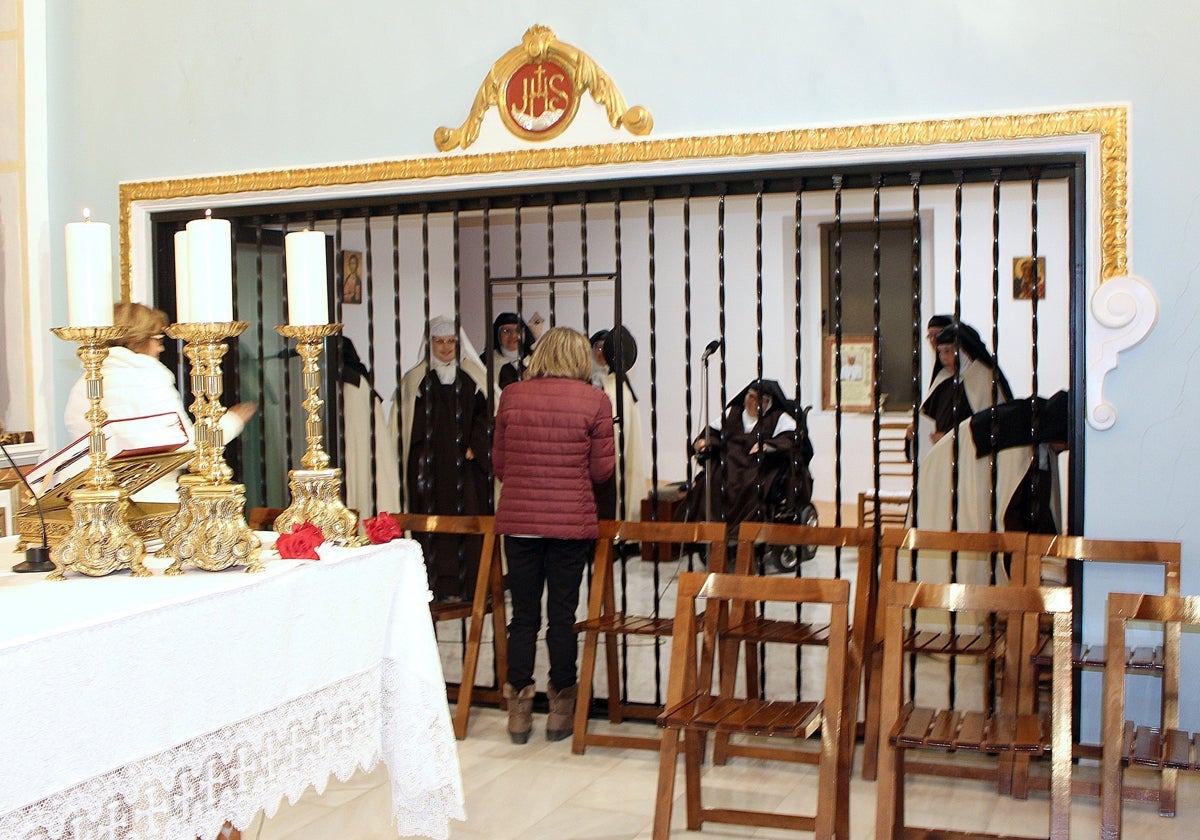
(553, 76)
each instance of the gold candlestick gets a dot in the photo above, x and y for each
(210, 530)
(316, 489)
(181, 523)
(101, 540)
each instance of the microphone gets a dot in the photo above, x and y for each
(713, 347)
(37, 558)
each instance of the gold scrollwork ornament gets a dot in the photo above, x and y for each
(541, 48)
(316, 496)
(219, 537)
(101, 541)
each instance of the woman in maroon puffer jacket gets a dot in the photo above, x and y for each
(553, 441)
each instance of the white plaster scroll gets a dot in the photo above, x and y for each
(1122, 312)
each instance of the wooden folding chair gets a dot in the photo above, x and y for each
(907, 727)
(984, 642)
(1161, 746)
(605, 619)
(488, 597)
(744, 626)
(1158, 557)
(890, 504)
(693, 709)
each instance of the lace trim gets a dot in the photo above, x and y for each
(192, 789)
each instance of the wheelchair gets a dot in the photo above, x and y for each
(784, 495)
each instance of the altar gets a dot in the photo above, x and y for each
(158, 708)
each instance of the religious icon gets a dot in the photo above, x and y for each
(848, 375)
(352, 285)
(1023, 283)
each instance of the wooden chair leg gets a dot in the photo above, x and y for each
(730, 650)
(1166, 792)
(466, 688)
(583, 697)
(613, 671)
(871, 746)
(693, 755)
(665, 798)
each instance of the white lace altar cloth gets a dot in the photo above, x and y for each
(158, 708)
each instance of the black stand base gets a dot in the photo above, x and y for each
(37, 559)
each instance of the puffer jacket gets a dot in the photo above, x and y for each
(553, 441)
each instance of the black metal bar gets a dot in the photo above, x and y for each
(837, 351)
(398, 366)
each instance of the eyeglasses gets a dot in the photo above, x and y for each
(510, 331)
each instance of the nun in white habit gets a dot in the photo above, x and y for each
(445, 436)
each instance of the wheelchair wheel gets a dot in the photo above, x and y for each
(785, 558)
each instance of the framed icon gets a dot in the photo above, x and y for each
(1023, 282)
(849, 377)
(352, 284)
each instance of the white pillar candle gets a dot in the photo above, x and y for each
(307, 278)
(182, 286)
(89, 274)
(210, 271)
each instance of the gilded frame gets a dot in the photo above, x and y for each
(1109, 125)
(856, 374)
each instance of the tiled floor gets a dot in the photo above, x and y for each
(542, 790)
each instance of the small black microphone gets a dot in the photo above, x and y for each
(713, 347)
(37, 557)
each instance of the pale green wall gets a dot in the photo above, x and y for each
(143, 89)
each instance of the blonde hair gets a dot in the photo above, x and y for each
(561, 352)
(140, 321)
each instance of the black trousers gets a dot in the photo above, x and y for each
(534, 564)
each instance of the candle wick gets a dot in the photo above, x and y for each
(87, 214)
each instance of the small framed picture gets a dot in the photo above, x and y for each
(848, 378)
(1024, 285)
(352, 284)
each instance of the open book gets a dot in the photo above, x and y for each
(123, 437)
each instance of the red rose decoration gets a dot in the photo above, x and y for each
(301, 543)
(382, 528)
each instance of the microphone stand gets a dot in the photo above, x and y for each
(708, 471)
(37, 557)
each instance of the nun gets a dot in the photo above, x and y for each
(446, 451)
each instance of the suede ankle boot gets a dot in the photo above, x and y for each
(520, 712)
(560, 723)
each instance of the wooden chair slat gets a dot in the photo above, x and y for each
(971, 729)
(916, 727)
(1147, 747)
(1001, 733)
(798, 720)
(1177, 749)
(944, 728)
(1032, 734)
(1144, 658)
(1128, 732)
(736, 722)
